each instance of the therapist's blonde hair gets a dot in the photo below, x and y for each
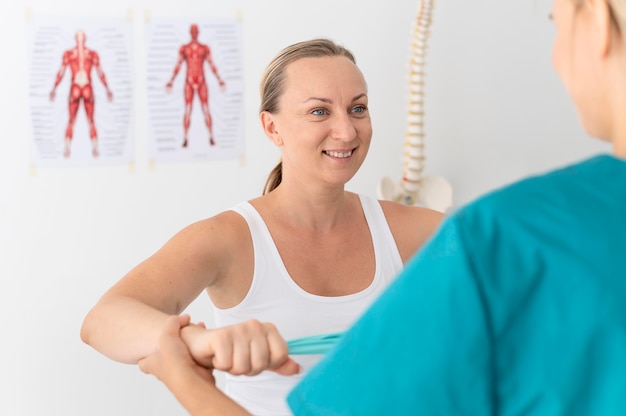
(618, 8)
(618, 13)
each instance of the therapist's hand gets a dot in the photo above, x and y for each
(192, 384)
(172, 357)
(247, 348)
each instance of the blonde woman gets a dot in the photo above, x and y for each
(518, 304)
(306, 258)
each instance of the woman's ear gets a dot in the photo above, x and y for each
(269, 127)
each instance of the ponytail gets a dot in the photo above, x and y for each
(274, 178)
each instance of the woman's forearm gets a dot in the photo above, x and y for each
(122, 328)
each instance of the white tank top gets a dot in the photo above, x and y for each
(275, 297)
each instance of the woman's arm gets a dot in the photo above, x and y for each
(126, 322)
(239, 349)
(246, 348)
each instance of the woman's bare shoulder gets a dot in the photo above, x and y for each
(210, 244)
(410, 225)
(394, 210)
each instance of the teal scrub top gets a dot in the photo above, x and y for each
(517, 306)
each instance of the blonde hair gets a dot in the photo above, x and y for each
(273, 83)
(618, 11)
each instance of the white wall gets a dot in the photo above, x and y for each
(495, 112)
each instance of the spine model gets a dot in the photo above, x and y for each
(414, 140)
(415, 189)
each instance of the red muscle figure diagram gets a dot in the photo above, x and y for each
(81, 60)
(194, 54)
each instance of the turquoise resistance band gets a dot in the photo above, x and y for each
(315, 344)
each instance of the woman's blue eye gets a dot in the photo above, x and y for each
(359, 109)
(318, 112)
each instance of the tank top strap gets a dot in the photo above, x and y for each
(258, 228)
(385, 248)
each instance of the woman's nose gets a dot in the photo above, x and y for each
(343, 127)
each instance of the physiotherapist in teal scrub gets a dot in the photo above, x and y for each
(517, 306)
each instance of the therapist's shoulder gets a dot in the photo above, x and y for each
(532, 194)
(552, 187)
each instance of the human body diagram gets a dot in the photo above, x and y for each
(81, 61)
(194, 54)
